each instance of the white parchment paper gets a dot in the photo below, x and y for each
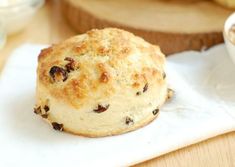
(203, 107)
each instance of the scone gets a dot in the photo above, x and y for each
(105, 82)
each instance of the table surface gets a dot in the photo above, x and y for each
(48, 26)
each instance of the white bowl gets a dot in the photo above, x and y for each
(230, 46)
(2, 35)
(16, 16)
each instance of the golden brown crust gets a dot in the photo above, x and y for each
(45, 52)
(104, 77)
(96, 60)
(105, 82)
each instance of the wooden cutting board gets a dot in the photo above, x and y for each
(175, 25)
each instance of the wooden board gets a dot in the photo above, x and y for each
(175, 25)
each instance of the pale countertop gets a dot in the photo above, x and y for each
(48, 27)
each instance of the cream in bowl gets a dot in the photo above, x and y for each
(15, 14)
(229, 35)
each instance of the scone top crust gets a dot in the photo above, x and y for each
(95, 66)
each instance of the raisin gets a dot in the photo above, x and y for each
(71, 65)
(37, 110)
(68, 59)
(56, 71)
(57, 126)
(44, 116)
(46, 108)
(155, 111)
(163, 75)
(145, 87)
(170, 93)
(101, 108)
(129, 121)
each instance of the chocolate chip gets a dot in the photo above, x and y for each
(44, 116)
(138, 93)
(71, 65)
(155, 111)
(129, 121)
(163, 75)
(101, 108)
(57, 126)
(46, 108)
(37, 110)
(145, 87)
(56, 71)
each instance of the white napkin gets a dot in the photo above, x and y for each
(203, 107)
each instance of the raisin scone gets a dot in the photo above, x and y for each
(104, 82)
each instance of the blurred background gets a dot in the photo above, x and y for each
(175, 25)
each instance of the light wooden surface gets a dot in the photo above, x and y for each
(174, 25)
(216, 152)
